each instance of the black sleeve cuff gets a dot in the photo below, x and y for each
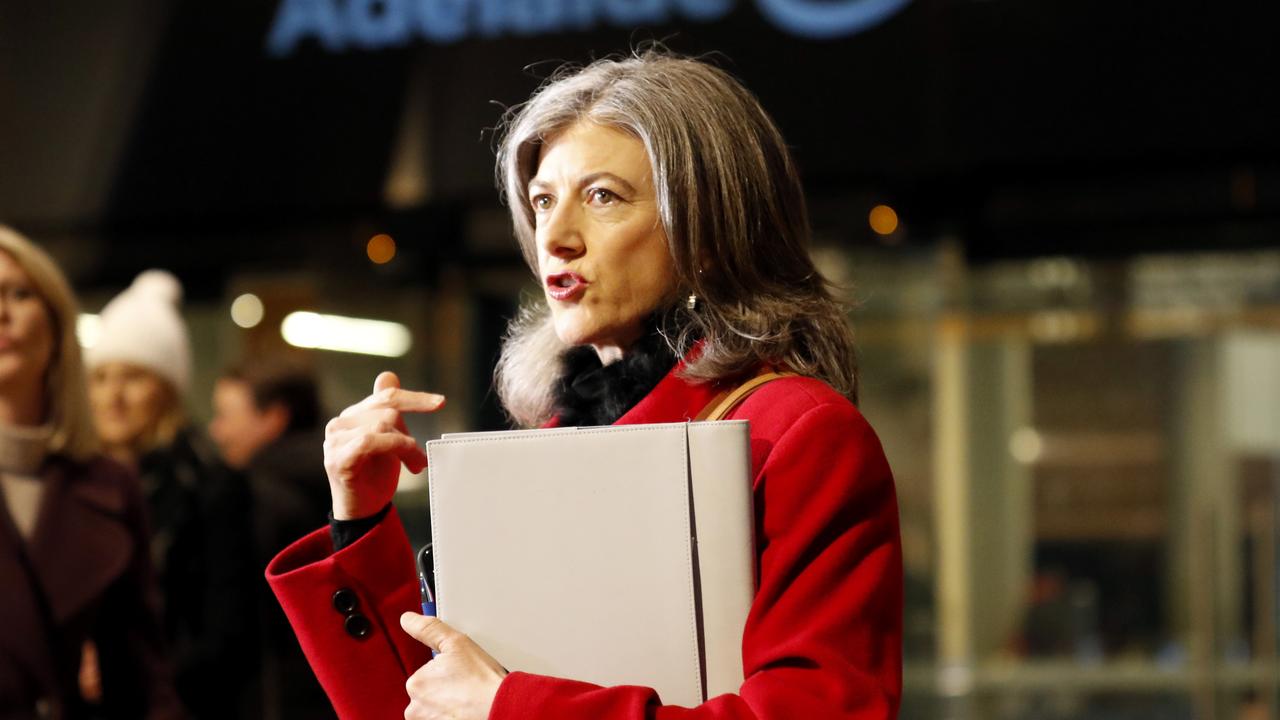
(345, 532)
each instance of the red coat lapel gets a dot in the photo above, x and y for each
(673, 400)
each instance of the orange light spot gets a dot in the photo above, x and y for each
(381, 249)
(883, 220)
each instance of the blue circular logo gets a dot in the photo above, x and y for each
(829, 18)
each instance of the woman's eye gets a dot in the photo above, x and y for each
(20, 292)
(541, 202)
(601, 196)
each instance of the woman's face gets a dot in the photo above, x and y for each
(602, 251)
(26, 331)
(127, 401)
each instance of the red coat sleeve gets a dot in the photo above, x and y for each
(363, 673)
(824, 635)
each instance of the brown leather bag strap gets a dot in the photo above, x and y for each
(724, 403)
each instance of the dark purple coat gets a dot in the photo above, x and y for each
(89, 554)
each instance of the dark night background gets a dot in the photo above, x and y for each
(1022, 128)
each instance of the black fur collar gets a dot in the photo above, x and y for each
(590, 394)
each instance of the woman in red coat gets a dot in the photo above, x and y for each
(658, 204)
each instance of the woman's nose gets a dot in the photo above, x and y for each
(560, 234)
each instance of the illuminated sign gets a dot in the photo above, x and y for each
(819, 19)
(374, 24)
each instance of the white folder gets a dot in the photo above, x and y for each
(617, 555)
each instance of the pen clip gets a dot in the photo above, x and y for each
(426, 573)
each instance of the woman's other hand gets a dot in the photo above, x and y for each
(459, 683)
(364, 446)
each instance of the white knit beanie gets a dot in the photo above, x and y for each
(143, 326)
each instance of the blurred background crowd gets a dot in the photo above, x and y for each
(1058, 224)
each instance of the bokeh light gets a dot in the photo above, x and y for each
(1026, 445)
(247, 310)
(381, 248)
(883, 219)
(88, 329)
(345, 334)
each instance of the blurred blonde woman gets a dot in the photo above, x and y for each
(74, 564)
(201, 541)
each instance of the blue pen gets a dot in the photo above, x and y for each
(427, 569)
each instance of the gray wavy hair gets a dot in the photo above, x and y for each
(730, 200)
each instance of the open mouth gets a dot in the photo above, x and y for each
(566, 286)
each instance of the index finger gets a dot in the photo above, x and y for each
(412, 400)
(398, 399)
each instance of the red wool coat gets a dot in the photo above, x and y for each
(824, 635)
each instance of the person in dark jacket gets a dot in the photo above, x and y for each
(201, 529)
(78, 601)
(266, 424)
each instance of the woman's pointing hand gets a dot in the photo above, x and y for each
(365, 445)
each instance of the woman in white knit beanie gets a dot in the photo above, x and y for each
(140, 368)
(201, 539)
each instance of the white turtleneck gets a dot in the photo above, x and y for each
(22, 454)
